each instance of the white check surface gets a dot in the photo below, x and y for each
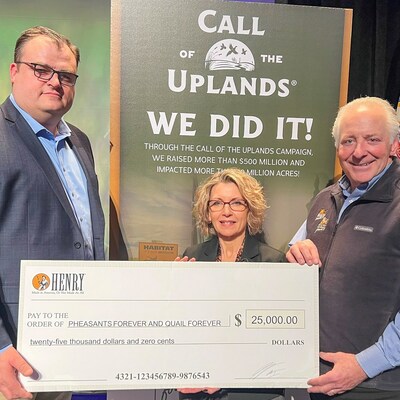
(141, 325)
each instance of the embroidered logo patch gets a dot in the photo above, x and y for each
(322, 225)
(321, 214)
(362, 228)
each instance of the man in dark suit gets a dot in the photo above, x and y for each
(49, 202)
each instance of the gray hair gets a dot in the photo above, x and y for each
(392, 122)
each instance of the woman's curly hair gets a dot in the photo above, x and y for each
(250, 189)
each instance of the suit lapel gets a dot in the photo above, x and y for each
(251, 248)
(82, 155)
(28, 139)
(92, 185)
(210, 249)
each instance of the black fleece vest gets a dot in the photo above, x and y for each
(360, 275)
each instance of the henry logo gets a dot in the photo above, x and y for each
(41, 282)
(59, 282)
(229, 54)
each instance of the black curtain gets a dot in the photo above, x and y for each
(375, 46)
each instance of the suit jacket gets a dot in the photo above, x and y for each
(36, 218)
(253, 251)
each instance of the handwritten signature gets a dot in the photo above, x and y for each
(269, 370)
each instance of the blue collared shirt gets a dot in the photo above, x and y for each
(69, 171)
(352, 196)
(385, 353)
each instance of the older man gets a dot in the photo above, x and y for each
(353, 233)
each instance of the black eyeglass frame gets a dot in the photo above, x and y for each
(71, 77)
(212, 203)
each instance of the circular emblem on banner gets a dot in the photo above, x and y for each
(230, 54)
(40, 281)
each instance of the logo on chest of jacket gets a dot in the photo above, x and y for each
(321, 216)
(322, 225)
(363, 228)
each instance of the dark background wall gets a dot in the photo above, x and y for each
(375, 46)
(374, 58)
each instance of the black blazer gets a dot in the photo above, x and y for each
(253, 251)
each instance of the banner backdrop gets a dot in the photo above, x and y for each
(208, 85)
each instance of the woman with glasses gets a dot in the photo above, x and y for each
(229, 209)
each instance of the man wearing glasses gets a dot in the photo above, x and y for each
(49, 202)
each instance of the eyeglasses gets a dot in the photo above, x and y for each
(45, 73)
(234, 205)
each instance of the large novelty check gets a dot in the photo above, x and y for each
(126, 325)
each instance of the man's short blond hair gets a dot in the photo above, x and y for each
(37, 31)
